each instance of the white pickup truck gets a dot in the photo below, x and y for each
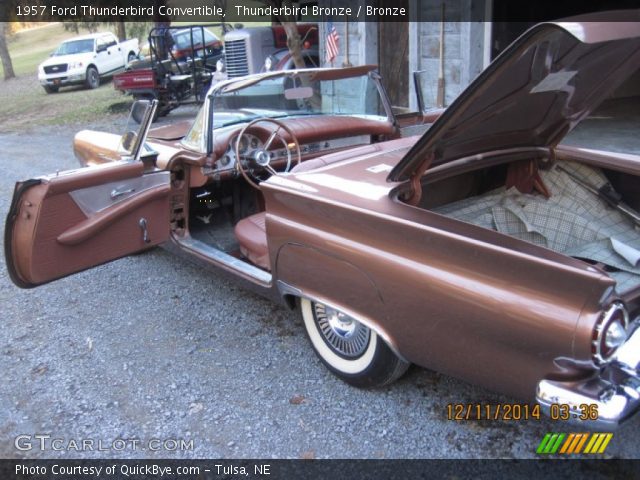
(85, 60)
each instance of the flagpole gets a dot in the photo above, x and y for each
(346, 62)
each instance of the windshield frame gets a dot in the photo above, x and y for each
(206, 142)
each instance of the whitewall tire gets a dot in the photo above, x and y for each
(349, 349)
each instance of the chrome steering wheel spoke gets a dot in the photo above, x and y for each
(261, 158)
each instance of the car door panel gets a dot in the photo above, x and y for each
(50, 233)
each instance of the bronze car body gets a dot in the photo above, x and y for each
(356, 237)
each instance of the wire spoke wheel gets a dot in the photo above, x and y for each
(344, 334)
(349, 349)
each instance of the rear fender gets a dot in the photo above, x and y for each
(320, 276)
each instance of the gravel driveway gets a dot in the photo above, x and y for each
(155, 352)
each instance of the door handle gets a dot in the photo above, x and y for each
(115, 193)
(145, 232)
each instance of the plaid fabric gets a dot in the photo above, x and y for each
(573, 221)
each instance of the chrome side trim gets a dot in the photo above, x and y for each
(226, 261)
(286, 289)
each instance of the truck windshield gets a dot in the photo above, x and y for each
(75, 46)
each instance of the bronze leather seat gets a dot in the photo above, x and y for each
(251, 234)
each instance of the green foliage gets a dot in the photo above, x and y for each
(78, 26)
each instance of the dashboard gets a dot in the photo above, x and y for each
(249, 144)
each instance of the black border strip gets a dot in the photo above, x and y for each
(319, 469)
(232, 10)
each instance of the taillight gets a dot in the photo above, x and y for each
(609, 333)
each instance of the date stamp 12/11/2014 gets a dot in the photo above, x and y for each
(518, 411)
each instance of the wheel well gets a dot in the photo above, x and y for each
(290, 300)
(91, 65)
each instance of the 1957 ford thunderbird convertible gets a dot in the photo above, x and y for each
(482, 249)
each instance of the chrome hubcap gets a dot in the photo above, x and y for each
(344, 334)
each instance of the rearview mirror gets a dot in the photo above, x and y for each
(298, 93)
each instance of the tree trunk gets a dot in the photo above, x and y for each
(121, 31)
(4, 53)
(294, 42)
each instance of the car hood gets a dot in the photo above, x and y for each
(58, 59)
(535, 92)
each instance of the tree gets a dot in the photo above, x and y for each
(294, 42)
(76, 25)
(7, 12)
(121, 31)
(7, 65)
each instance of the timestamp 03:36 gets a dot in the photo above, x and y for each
(518, 411)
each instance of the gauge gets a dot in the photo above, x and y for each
(225, 160)
(255, 143)
(243, 144)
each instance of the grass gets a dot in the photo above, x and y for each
(24, 103)
(29, 48)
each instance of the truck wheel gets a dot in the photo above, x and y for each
(93, 79)
(352, 351)
(50, 88)
(131, 57)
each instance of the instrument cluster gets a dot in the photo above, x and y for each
(248, 143)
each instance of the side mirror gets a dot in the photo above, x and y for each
(101, 48)
(138, 110)
(132, 142)
(127, 142)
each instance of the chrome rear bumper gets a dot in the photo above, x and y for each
(615, 390)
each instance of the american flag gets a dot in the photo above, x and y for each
(331, 45)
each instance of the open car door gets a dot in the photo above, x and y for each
(71, 221)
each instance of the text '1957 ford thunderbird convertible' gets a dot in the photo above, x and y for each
(482, 249)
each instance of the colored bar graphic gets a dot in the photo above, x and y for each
(573, 443)
(543, 443)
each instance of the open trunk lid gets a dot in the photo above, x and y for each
(535, 92)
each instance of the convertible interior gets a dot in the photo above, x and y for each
(228, 214)
(284, 123)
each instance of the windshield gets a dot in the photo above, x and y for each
(75, 46)
(289, 94)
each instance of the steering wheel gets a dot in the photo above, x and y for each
(255, 164)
